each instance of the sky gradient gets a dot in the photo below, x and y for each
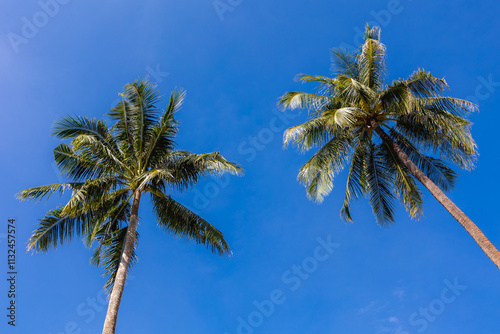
(235, 58)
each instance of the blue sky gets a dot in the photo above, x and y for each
(234, 62)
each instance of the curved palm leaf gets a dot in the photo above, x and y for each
(318, 173)
(180, 221)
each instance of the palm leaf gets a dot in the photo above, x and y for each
(111, 254)
(37, 193)
(55, 228)
(371, 60)
(161, 137)
(357, 185)
(298, 100)
(315, 132)
(318, 173)
(182, 222)
(379, 183)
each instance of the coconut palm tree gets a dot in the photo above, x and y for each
(389, 135)
(111, 168)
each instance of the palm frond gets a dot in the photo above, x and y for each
(55, 228)
(423, 84)
(111, 253)
(404, 183)
(135, 117)
(347, 116)
(114, 211)
(379, 183)
(182, 222)
(371, 60)
(397, 99)
(317, 174)
(314, 132)
(76, 166)
(326, 85)
(315, 78)
(436, 170)
(343, 63)
(161, 137)
(357, 185)
(71, 127)
(298, 100)
(91, 149)
(123, 129)
(187, 168)
(441, 135)
(93, 192)
(38, 193)
(354, 93)
(445, 105)
(143, 95)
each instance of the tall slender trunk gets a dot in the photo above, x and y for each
(465, 221)
(121, 274)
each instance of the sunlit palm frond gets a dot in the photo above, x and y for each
(371, 60)
(326, 85)
(354, 93)
(312, 133)
(423, 84)
(38, 193)
(397, 98)
(317, 174)
(445, 105)
(298, 100)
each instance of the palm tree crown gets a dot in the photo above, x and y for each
(347, 110)
(111, 166)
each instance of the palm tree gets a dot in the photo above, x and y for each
(111, 168)
(390, 135)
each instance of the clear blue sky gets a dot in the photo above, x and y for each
(234, 64)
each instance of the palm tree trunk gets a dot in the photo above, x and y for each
(465, 221)
(121, 274)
